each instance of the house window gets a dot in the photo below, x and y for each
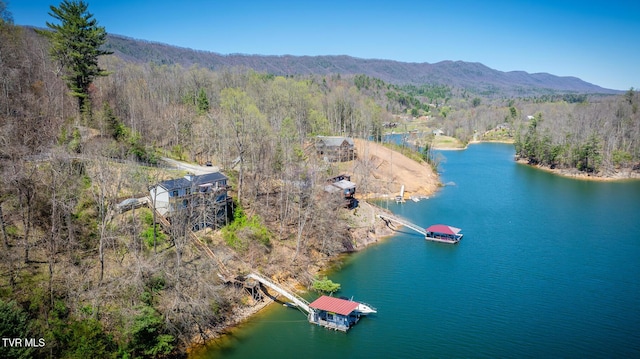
(174, 193)
(188, 191)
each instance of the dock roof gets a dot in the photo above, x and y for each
(444, 229)
(335, 305)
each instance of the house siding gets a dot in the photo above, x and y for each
(205, 195)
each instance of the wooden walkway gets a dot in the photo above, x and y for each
(400, 221)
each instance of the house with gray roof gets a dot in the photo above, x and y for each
(205, 195)
(335, 148)
(342, 184)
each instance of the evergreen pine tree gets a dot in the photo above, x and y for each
(75, 45)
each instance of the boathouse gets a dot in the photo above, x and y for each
(334, 313)
(443, 233)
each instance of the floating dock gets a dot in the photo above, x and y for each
(334, 313)
(437, 232)
(329, 312)
(443, 233)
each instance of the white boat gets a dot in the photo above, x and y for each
(365, 309)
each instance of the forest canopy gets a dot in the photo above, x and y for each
(94, 282)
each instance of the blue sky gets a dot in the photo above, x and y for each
(597, 41)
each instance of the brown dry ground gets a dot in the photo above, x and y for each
(380, 172)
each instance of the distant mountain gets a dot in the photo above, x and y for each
(472, 76)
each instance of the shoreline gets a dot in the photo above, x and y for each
(626, 175)
(473, 142)
(364, 235)
(382, 181)
(363, 238)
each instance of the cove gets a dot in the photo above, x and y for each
(548, 267)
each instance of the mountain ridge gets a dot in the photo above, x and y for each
(473, 76)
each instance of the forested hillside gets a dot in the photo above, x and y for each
(597, 138)
(93, 282)
(595, 135)
(475, 77)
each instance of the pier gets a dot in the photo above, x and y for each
(296, 299)
(402, 222)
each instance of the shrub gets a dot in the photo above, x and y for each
(325, 285)
(147, 335)
(70, 337)
(242, 230)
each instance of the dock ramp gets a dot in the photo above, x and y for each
(296, 299)
(402, 222)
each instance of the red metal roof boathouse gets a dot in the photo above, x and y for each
(334, 313)
(443, 233)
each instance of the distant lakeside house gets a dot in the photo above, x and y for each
(205, 195)
(335, 148)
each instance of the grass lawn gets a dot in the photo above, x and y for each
(447, 142)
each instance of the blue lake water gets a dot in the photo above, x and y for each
(548, 267)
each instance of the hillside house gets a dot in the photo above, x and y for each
(335, 148)
(342, 184)
(205, 196)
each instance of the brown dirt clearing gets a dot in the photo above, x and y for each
(380, 172)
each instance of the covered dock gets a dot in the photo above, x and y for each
(334, 313)
(443, 233)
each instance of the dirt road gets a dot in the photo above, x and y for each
(195, 169)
